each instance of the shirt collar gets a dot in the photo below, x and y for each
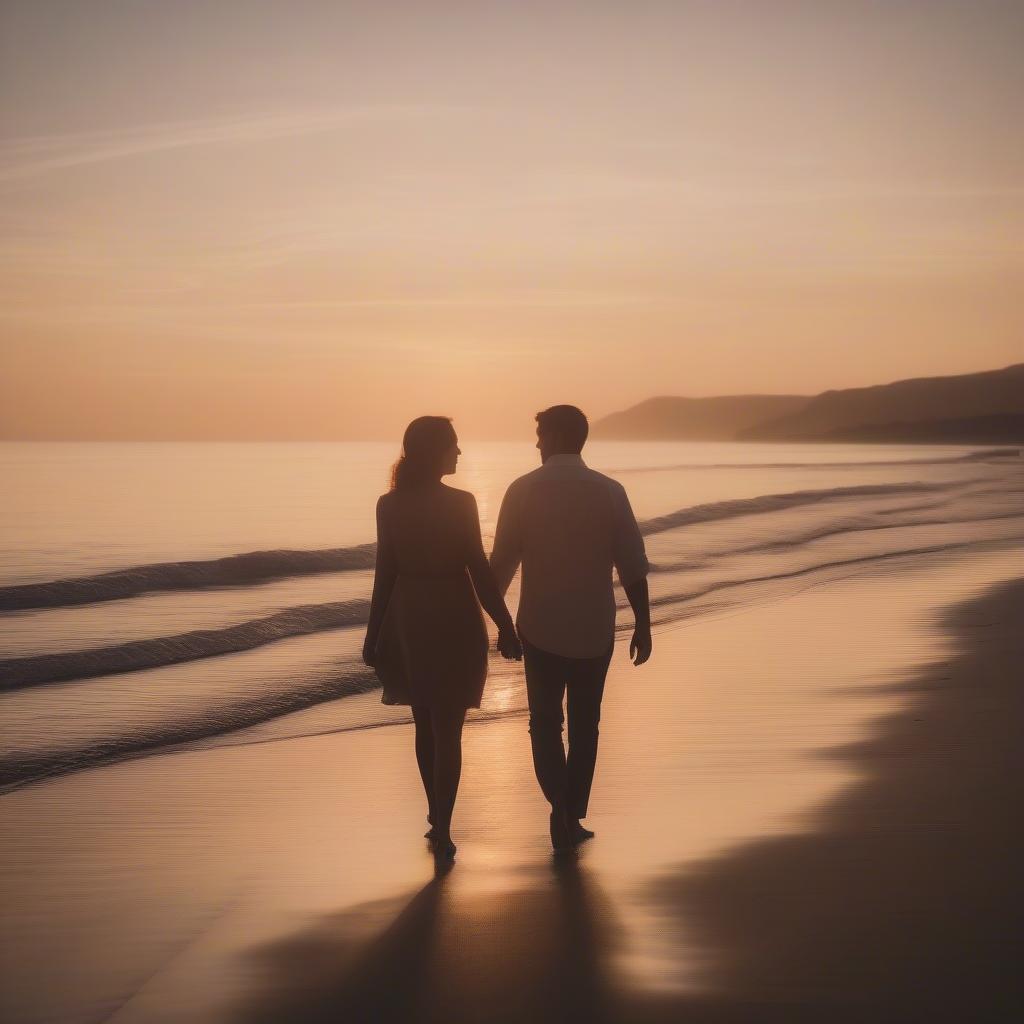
(565, 460)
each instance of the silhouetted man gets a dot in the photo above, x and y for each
(568, 525)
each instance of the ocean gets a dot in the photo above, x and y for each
(155, 595)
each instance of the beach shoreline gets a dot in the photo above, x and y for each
(287, 881)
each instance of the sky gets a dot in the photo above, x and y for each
(316, 220)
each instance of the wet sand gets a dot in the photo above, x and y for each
(807, 810)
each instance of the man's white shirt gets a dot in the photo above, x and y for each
(568, 526)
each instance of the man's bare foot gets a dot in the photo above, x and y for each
(578, 832)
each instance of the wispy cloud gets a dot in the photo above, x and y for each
(30, 156)
(205, 313)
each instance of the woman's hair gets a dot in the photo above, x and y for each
(424, 445)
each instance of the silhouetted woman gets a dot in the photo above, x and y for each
(426, 637)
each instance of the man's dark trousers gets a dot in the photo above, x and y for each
(549, 677)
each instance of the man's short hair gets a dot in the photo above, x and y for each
(567, 422)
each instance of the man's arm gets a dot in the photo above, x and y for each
(640, 602)
(632, 566)
(486, 586)
(508, 541)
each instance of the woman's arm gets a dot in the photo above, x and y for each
(487, 586)
(384, 576)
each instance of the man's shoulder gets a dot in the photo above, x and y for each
(554, 476)
(546, 472)
(524, 482)
(608, 482)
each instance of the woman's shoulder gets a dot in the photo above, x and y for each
(451, 496)
(463, 498)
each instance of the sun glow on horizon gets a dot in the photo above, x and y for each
(317, 222)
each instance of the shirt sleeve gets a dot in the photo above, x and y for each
(628, 550)
(508, 540)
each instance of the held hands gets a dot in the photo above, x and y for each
(508, 644)
(640, 645)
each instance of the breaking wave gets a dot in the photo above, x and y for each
(231, 571)
(254, 567)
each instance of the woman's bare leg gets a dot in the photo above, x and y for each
(425, 756)
(447, 770)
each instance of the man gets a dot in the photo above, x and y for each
(568, 525)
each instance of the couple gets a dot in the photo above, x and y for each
(426, 639)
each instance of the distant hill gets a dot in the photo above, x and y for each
(1007, 428)
(695, 419)
(891, 407)
(970, 408)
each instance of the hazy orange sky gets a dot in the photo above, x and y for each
(317, 220)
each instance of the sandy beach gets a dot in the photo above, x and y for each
(347, 348)
(805, 809)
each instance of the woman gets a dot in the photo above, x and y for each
(426, 637)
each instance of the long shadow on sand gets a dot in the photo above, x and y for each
(904, 901)
(534, 954)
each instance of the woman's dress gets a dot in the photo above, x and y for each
(432, 645)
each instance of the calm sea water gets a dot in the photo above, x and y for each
(159, 594)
